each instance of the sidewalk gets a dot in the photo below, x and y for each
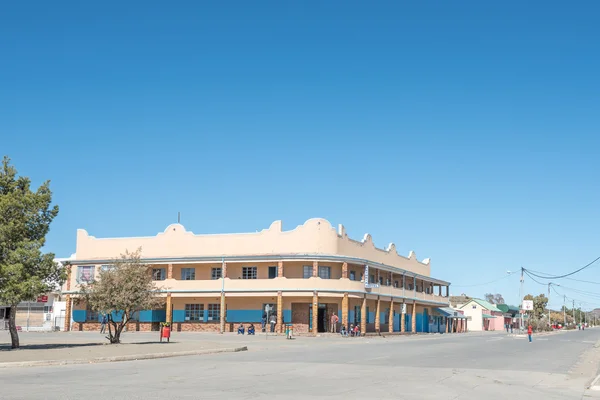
(91, 347)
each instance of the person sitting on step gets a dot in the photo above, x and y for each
(251, 329)
(241, 329)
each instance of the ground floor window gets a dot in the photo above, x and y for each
(194, 312)
(214, 312)
(91, 315)
(352, 275)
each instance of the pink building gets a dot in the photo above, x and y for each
(483, 316)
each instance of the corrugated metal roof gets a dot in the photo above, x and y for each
(484, 304)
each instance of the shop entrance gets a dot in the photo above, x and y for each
(321, 318)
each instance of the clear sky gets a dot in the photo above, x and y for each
(465, 131)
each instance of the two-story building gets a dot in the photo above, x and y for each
(301, 276)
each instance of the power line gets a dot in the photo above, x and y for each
(485, 283)
(565, 275)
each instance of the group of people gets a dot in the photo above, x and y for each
(353, 331)
(241, 329)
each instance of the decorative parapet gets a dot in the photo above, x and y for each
(315, 236)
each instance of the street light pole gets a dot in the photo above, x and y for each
(564, 311)
(521, 301)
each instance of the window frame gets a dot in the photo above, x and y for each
(326, 271)
(352, 275)
(250, 272)
(81, 269)
(213, 312)
(213, 273)
(306, 268)
(163, 272)
(193, 310)
(191, 276)
(273, 268)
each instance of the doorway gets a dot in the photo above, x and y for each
(321, 318)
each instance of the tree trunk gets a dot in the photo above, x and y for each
(12, 327)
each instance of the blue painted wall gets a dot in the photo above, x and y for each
(79, 315)
(117, 316)
(287, 316)
(382, 319)
(178, 315)
(408, 322)
(350, 317)
(245, 315)
(397, 323)
(152, 316)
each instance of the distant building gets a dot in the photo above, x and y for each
(483, 315)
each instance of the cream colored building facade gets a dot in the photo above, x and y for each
(305, 275)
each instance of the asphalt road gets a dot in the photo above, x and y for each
(472, 366)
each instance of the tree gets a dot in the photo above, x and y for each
(494, 298)
(25, 216)
(122, 290)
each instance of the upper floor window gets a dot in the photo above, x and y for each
(272, 272)
(372, 279)
(188, 274)
(107, 267)
(352, 275)
(85, 274)
(194, 312)
(381, 280)
(388, 282)
(248, 272)
(216, 273)
(324, 272)
(395, 284)
(307, 271)
(159, 274)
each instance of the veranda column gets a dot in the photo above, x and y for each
(67, 326)
(345, 270)
(315, 269)
(315, 314)
(378, 316)
(279, 327)
(222, 312)
(391, 317)
(447, 322)
(224, 270)
(280, 269)
(413, 320)
(345, 311)
(170, 271)
(169, 308)
(363, 316)
(403, 317)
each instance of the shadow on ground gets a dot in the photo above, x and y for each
(48, 346)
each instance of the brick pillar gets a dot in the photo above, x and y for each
(315, 314)
(363, 316)
(345, 310)
(223, 312)
(169, 308)
(170, 271)
(447, 323)
(403, 318)
(378, 316)
(279, 327)
(345, 270)
(413, 320)
(67, 326)
(391, 279)
(466, 326)
(315, 269)
(224, 270)
(69, 268)
(391, 317)
(280, 269)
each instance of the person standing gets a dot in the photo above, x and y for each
(273, 323)
(103, 323)
(263, 322)
(529, 332)
(334, 321)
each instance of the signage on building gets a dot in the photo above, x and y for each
(366, 278)
(527, 305)
(403, 308)
(42, 299)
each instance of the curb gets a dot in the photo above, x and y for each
(134, 357)
(595, 384)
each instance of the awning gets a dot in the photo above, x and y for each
(487, 316)
(450, 312)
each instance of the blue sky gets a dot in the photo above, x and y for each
(465, 131)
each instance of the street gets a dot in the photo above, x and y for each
(487, 366)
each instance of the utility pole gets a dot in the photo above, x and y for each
(574, 321)
(564, 311)
(521, 301)
(548, 307)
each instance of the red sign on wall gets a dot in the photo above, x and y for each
(42, 299)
